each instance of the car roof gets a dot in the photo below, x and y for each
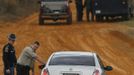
(74, 53)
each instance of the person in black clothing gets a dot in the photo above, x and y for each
(9, 57)
(89, 5)
(79, 10)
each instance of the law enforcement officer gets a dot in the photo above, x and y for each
(89, 5)
(9, 57)
(26, 60)
(79, 10)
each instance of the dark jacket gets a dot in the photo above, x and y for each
(79, 5)
(9, 57)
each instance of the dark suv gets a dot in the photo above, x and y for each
(55, 10)
(113, 8)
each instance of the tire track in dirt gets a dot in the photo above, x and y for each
(123, 37)
(121, 55)
(28, 20)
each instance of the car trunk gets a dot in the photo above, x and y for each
(71, 70)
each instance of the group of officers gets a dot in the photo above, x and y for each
(89, 6)
(25, 63)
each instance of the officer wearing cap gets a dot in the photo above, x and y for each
(26, 60)
(9, 57)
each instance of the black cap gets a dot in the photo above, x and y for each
(12, 37)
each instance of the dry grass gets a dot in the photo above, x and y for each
(11, 10)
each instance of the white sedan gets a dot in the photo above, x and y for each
(74, 63)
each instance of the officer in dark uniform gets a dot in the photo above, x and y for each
(79, 10)
(9, 57)
(89, 5)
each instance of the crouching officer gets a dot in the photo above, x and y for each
(79, 10)
(25, 62)
(9, 57)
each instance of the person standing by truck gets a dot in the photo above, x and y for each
(89, 5)
(79, 10)
(131, 7)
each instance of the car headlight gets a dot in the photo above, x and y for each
(42, 4)
(96, 4)
(124, 2)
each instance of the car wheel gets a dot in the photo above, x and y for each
(107, 18)
(126, 17)
(99, 18)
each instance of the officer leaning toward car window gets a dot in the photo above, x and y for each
(9, 57)
(79, 10)
(89, 5)
(26, 60)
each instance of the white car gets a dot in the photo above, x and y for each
(74, 63)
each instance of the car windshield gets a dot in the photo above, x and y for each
(73, 60)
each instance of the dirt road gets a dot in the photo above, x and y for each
(114, 43)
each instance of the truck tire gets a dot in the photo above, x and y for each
(99, 18)
(126, 17)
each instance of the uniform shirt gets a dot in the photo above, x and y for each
(27, 57)
(9, 57)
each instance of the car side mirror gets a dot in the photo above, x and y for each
(42, 66)
(108, 68)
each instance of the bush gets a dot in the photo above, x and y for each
(14, 9)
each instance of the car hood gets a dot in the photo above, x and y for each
(79, 70)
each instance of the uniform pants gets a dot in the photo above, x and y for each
(79, 15)
(23, 70)
(88, 11)
(79, 10)
(11, 71)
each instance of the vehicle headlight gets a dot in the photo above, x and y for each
(96, 4)
(123, 2)
(42, 4)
